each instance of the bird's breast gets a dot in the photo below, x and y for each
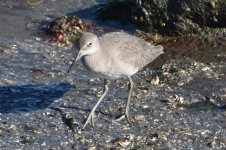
(94, 64)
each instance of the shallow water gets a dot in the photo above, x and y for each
(16, 15)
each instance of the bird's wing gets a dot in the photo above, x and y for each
(130, 49)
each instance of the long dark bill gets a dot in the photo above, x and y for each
(71, 65)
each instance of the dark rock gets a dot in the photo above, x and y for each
(171, 17)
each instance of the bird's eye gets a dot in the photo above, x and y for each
(89, 44)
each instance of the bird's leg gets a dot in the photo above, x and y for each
(92, 113)
(126, 115)
(129, 99)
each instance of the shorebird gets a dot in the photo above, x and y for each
(112, 56)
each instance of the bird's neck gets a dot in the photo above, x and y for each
(94, 62)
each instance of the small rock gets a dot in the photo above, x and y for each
(205, 69)
(13, 127)
(155, 81)
(91, 80)
(92, 148)
(139, 118)
(38, 39)
(145, 106)
(153, 139)
(122, 141)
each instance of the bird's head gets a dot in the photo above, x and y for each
(88, 44)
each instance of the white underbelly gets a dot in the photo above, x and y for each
(120, 71)
(112, 71)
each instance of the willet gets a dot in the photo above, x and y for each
(112, 56)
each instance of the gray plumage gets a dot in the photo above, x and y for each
(115, 55)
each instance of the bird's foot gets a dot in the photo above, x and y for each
(122, 118)
(89, 119)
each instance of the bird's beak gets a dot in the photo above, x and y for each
(79, 56)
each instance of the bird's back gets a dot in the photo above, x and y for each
(128, 49)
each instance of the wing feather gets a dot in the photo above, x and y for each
(129, 49)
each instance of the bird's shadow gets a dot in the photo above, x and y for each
(28, 98)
